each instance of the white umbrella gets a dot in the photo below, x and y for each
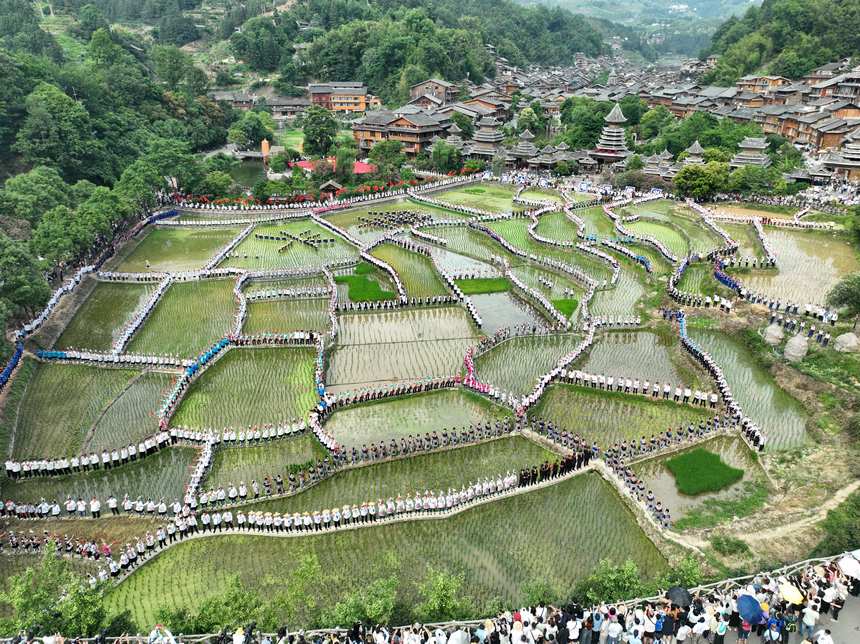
(850, 566)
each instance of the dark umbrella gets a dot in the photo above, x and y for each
(679, 596)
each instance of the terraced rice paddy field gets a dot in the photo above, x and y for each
(664, 233)
(169, 248)
(286, 252)
(452, 468)
(188, 318)
(809, 264)
(589, 521)
(297, 282)
(60, 406)
(597, 222)
(753, 210)
(749, 244)
(541, 194)
(500, 310)
(699, 279)
(607, 418)
(562, 287)
(622, 298)
(486, 196)
(699, 238)
(781, 417)
(99, 322)
(470, 242)
(416, 271)
(233, 465)
(643, 355)
(161, 475)
(451, 262)
(285, 316)
(250, 386)
(556, 225)
(516, 365)
(399, 346)
(733, 451)
(418, 414)
(354, 220)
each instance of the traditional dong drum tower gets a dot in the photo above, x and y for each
(611, 147)
(694, 154)
(751, 153)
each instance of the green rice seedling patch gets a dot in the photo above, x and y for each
(250, 387)
(188, 318)
(486, 196)
(160, 475)
(298, 282)
(556, 225)
(405, 325)
(293, 138)
(781, 417)
(665, 234)
(541, 194)
(699, 279)
(365, 283)
(590, 522)
(131, 416)
(698, 470)
(566, 306)
(238, 464)
(471, 243)
(623, 298)
(749, 244)
(260, 254)
(515, 231)
(416, 271)
(285, 316)
(597, 222)
(452, 468)
(609, 417)
(484, 285)
(99, 321)
(516, 365)
(416, 414)
(561, 287)
(643, 355)
(172, 249)
(352, 220)
(60, 405)
(809, 264)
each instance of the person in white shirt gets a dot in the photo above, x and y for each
(95, 508)
(824, 637)
(683, 633)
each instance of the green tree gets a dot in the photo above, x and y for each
(217, 184)
(139, 183)
(846, 294)
(29, 194)
(174, 28)
(442, 598)
(702, 181)
(388, 158)
(23, 286)
(370, 604)
(56, 132)
(251, 129)
(635, 162)
(90, 18)
(445, 157)
(343, 165)
(610, 583)
(53, 239)
(465, 124)
(320, 130)
(50, 597)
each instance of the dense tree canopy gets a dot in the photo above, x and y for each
(786, 37)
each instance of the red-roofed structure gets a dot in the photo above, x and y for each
(359, 167)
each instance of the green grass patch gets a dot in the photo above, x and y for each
(699, 471)
(484, 285)
(565, 306)
(841, 527)
(729, 546)
(362, 289)
(752, 499)
(416, 271)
